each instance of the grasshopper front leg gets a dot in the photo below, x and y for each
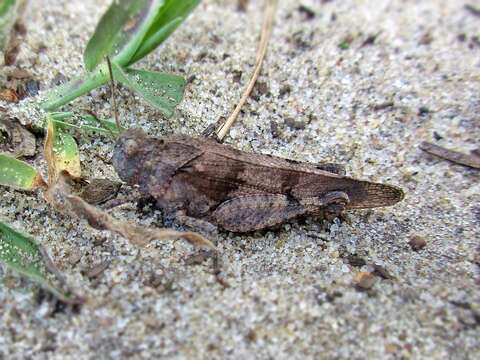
(206, 228)
(210, 231)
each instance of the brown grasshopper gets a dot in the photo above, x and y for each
(199, 178)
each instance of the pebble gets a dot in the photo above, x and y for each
(364, 280)
(417, 242)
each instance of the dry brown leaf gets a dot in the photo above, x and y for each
(21, 141)
(9, 95)
(59, 196)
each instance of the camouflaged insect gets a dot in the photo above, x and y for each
(198, 178)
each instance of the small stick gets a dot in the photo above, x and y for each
(262, 49)
(112, 83)
(453, 156)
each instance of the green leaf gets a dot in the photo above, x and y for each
(85, 123)
(8, 14)
(151, 42)
(121, 31)
(106, 35)
(170, 16)
(61, 152)
(22, 254)
(163, 91)
(127, 32)
(61, 115)
(18, 174)
(5, 6)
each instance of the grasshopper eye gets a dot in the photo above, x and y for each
(130, 147)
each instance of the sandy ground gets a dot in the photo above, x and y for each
(292, 292)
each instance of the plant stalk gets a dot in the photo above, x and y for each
(76, 87)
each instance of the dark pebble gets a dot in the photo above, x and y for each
(380, 271)
(437, 136)
(355, 260)
(294, 124)
(284, 90)
(417, 242)
(308, 13)
(423, 110)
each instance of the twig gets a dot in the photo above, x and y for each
(453, 156)
(112, 84)
(262, 49)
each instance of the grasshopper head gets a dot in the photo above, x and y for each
(129, 154)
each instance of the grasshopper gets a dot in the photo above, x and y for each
(198, 180)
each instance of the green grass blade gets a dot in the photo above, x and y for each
(22, 254)
(131, 37)
(151, 42)
(120, 31)
(168, 18)
(18, 174)
(5, 6)
(61, 115)
(107, 34)
(8, 15)
(85, 123)
(163, 91)
(88, 122)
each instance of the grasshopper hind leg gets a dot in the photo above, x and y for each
(255, 212)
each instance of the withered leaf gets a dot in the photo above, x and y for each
(9, 95)
(60, 197)
(61, 153)
(21, 141)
